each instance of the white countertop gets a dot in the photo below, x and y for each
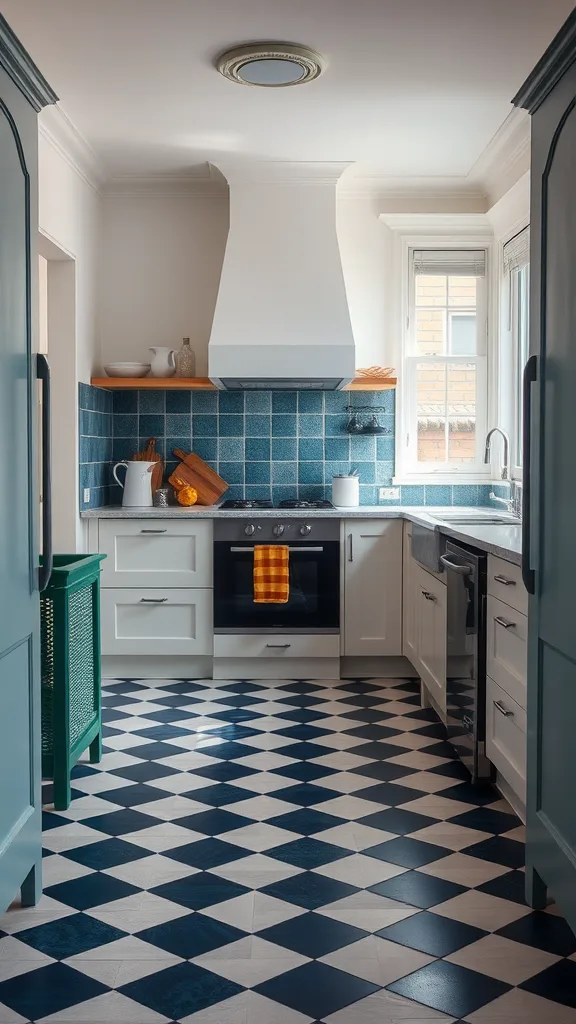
(504, 540)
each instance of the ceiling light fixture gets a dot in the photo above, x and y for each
(270, 65)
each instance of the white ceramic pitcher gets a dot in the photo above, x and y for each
(137, 486)
(163, 362)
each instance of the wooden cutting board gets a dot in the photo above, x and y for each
(151, 455)
(194, 471)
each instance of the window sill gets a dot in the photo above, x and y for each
(443, 479)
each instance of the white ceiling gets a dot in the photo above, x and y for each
(413, 87)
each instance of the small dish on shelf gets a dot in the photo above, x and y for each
(127, 369)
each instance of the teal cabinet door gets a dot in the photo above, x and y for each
(550, 480)
(20, 744)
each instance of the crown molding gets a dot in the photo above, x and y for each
(204, 181)
(506, 157)
(386, 187)
(18, 63)
(59, 131)
(549, 70)
(432, 223)
(283, 172)
(512, 212)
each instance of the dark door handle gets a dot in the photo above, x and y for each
(530, 376)
(45, 569)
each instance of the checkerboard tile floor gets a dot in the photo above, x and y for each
(283, 852)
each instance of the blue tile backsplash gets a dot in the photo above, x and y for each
(268, 444)
(95, 456)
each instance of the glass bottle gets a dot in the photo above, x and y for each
(185, 360)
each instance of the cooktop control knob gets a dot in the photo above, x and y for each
(305, 530)
(278, 530)
(250, 530)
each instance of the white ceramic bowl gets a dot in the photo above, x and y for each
(127, 369)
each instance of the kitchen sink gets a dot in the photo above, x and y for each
(478, 519)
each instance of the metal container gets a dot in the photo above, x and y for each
(160, 497)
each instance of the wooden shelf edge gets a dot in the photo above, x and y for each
(155, 383)
(371, 384)
(205, 384)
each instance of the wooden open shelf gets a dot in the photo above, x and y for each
(154, 383)
(372, 384)
(205, 384)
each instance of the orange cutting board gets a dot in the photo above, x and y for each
(151, 455)
(194, 471)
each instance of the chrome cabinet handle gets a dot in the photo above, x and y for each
(462, 570)
(505, 582)
(153, 600)
(428, 595)
(280, 647)
(310, 549)
(506, 623)
(503, 711)
(153, 531)
(350, 548)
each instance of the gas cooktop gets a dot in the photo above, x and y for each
(294, 503)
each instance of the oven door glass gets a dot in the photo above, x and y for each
(314, 601)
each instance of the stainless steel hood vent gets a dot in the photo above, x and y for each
(281, 318)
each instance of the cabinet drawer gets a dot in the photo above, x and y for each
(507, 648)
(156, 553)
(505, 583)
(282, 645)
(506, 737)
(156, 621)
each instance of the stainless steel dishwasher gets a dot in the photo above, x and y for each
(466, 656)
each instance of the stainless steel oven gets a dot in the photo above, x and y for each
(314, 602)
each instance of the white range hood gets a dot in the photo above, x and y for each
(281, 318)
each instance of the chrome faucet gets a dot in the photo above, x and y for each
(506, 454)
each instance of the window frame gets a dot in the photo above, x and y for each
(408, 470)
(509, 369)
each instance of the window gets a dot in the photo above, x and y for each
(516, 267)
(445, 393)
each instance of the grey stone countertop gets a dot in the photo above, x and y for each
(504, 540)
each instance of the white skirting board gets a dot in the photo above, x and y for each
(377, 668)
(513, 799)
(185, 667)
(276, 668)
(129, 666)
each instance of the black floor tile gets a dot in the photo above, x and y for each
(418, 889)
(450, 989)
(543, 931)
(557, 982)
(432, 934)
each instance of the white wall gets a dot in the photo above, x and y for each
(161, 262)
(69, 221)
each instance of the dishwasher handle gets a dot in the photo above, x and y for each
(462, 570)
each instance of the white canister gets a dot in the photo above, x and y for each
(345, 491)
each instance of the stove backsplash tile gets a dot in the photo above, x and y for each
(268, 444)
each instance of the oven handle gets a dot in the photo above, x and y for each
(292, 550)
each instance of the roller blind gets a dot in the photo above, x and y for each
(462, 262)
(516, 252)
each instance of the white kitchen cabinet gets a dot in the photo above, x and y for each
(156, 552)
(506, 737)
(373, 587)
(507, 648)
(410, 598)
(159, 621)
(505, 583)
(282, 646)
(430, 614)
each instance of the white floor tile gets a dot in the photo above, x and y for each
(449, 835)
(262, 807)
(482, 910)
(260, 836)
(387, 1008)
(256, 871)
(501, 958)
(354, 835)
(465, 870)
(377, 960)
(368, 911)
(518, 1007)
(360, 871)
(109, 1008)
(151, 871)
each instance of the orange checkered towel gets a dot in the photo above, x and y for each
(271, 574)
